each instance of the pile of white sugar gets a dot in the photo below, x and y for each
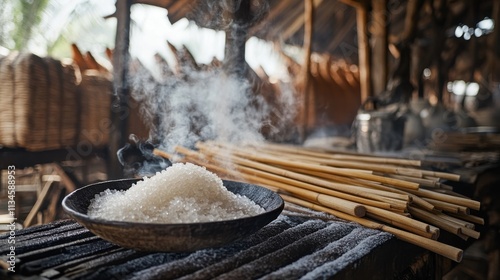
(183, 193)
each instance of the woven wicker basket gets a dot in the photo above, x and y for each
(39, 103)
(46, 105)
(7, 129)
(53, 105)
(95, 103)
(32, 104)
(70, 107)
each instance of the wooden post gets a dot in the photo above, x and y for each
(308, 114)
(494, 45)
(119, 107)
(380, 47)
(408, 36)
(473, 49)
(236, 37)
(364, 51)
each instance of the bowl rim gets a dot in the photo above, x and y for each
(84, 217)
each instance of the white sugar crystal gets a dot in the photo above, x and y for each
(183, 193)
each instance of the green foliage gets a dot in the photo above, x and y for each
(48, 27)
(6, 24)
(26, 15)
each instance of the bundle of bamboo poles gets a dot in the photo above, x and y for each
(391, 194)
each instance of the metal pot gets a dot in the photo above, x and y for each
(379, 130)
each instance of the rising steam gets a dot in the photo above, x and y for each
(210, 103)
(203, 105)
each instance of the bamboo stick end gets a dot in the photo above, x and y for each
(359, 211)
(459, 255)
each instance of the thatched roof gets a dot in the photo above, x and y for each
(279, 21)
(335, 30)
(419, 34)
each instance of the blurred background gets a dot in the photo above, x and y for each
(89, 88)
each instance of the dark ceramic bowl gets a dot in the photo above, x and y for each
(173, 237)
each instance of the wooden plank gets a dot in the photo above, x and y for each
(38, 204)
(22, 158)
(50, 214)
(64, 178)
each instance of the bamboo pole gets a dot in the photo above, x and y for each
(427, 234)
(469, 218)
(338, 155)
(442, 249)
(295, 183)
(412, 172)
(476, 205)
(333, 202)
(446, 206)
(373, 199)
(322, 187)
(435, 231)
(398, 218)
(373, 159)
(435, 220)
(313, 180)
(407, 172)
(163, 154)
(315, 197)
(338, 171)
(442, 175)
(346, 192)
(470, 232)
(418, 201)
(455, 220)
(421, 181)
(352, 182)
(412, 198)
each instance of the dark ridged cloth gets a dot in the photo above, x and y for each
(290, 247)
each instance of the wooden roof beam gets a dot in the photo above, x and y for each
(298, 22)
(275, 11)
(339, 37)
(178, 8)
(277, 30)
